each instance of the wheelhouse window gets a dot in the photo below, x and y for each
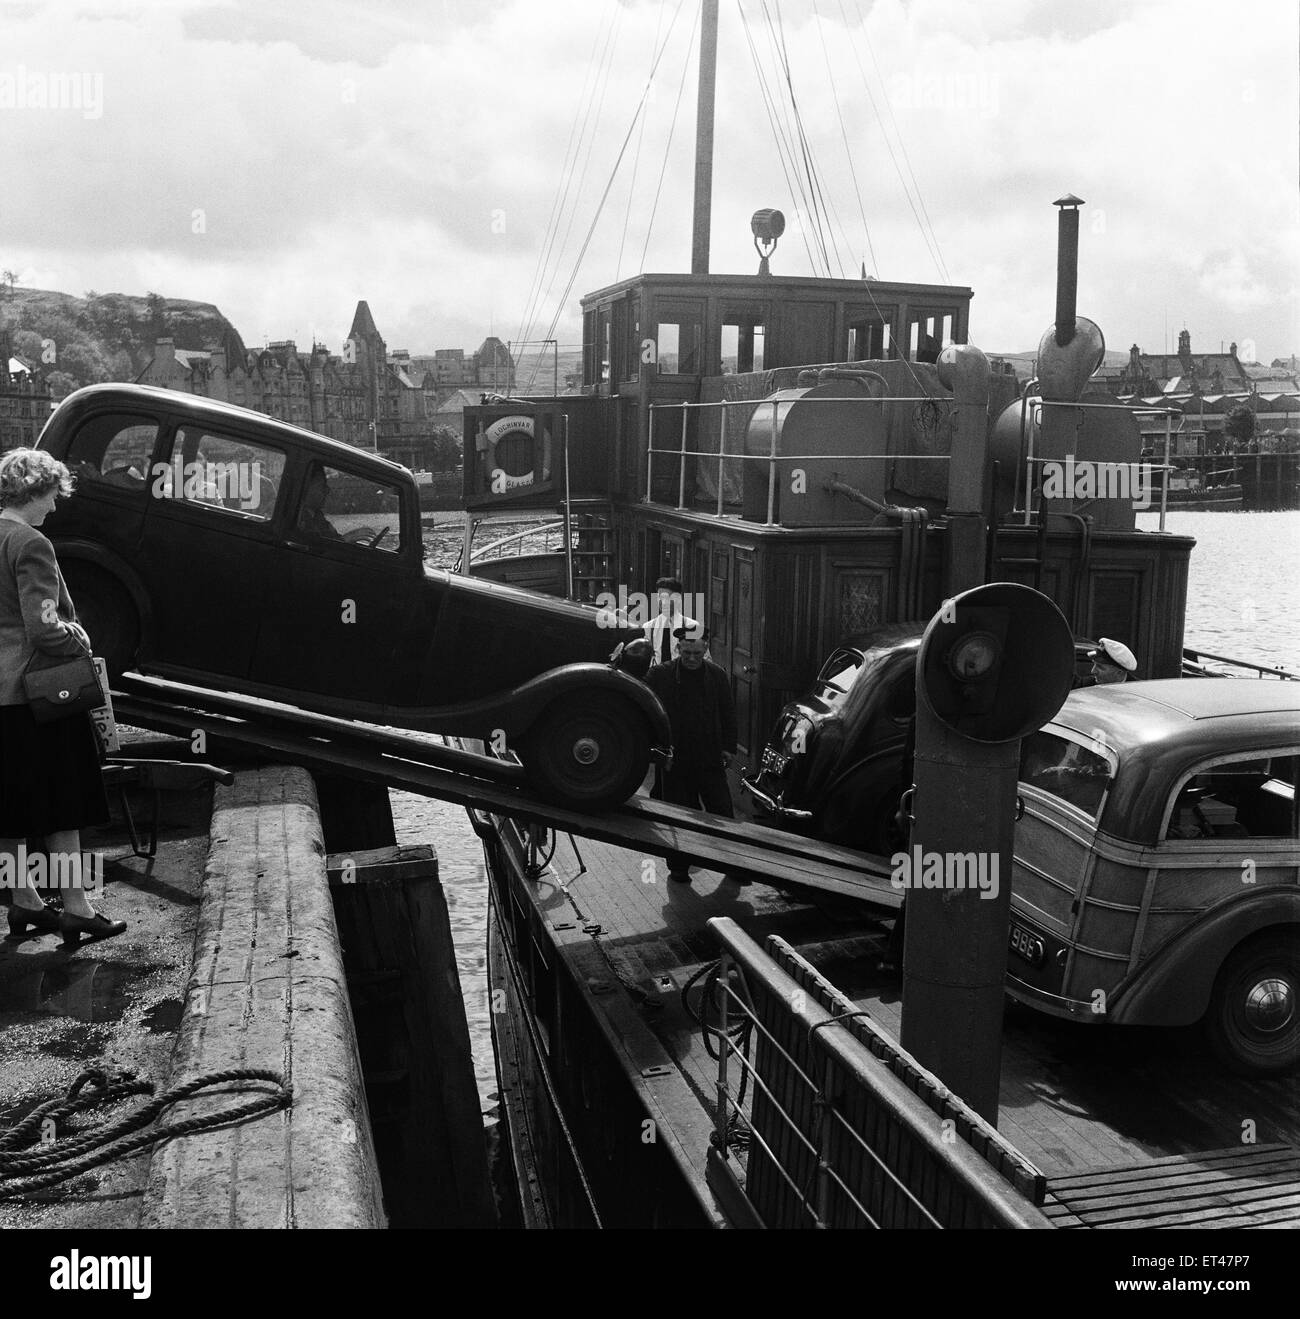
(1067, 770)
(221, 472)
(868, 341)
(350, 509)
(743, 341)
(678, 348)
(113, 450)
(1248, 798)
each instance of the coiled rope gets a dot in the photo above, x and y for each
(28, 1162)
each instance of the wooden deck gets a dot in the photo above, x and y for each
(1085, 1103)
(1244, 1186)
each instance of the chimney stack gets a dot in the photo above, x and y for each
(1067, 266)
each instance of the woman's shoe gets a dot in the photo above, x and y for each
(97, 926)
(43, 917)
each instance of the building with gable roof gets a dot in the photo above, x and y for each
(25, 399)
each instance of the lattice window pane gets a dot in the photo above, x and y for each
(860, 601)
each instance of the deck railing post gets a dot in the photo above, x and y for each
(823, 1104)
(649, 454)
(722, 455)
(771, 471)
(681, 462)
(724, 1042)
(1164, 484)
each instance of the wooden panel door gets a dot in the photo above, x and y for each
(744, 662)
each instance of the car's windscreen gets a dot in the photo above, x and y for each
(1066, 770)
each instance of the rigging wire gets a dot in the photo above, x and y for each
(777, 35)
(866, 85)
(784, 153)
(672, 128)
(902, 146)
(604, 197)
(582, 177)
(581, 118)
(789, 134)
(844, 137)
(636, 161)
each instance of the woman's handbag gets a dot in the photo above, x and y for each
(62, 690)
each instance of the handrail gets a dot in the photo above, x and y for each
(1273, 670)
(835, 1075)
(484, 553)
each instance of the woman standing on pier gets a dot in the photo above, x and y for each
(50, 781)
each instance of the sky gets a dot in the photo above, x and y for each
(445, 160)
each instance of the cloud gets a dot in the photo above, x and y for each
(285, 160)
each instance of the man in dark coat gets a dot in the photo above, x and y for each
(696, 694)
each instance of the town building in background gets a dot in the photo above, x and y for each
(364, 395)
(25, 399)
(1211, 391)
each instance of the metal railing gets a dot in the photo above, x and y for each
(1194, 665)
(772, 458)
(1030, 401)
(550, 538)
(831, 1136)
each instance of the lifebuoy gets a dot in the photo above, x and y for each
(497, 432)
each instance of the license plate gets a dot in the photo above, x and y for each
(1026, 946)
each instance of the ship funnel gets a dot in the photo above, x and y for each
(1074, 347)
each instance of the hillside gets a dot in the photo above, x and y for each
(107, 336)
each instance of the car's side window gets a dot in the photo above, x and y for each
(1253, 797)
(221, 472)
(113, 449)
(347, 508)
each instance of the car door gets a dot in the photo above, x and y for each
(350, 617)
(208, 542)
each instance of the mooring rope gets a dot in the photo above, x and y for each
(29, 1161)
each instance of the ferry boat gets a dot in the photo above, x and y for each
(812, 458)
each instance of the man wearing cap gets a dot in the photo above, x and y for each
(696, 695)
(664, 630)
(1112, 661)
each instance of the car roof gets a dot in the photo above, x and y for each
(1162, 728)
(207, 409)
(884, 637)
(1170, 708)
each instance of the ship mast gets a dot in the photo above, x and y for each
(704, 138)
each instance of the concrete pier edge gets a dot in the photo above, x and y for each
(267, 989)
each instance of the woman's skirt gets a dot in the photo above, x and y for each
(50, 776)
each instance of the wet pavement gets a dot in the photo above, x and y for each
(113, 1004)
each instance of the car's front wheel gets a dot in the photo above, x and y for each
(1253, 1022)
(590, 752)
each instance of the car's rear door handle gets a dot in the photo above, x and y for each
(748, 668)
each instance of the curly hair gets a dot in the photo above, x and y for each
(27, 474)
